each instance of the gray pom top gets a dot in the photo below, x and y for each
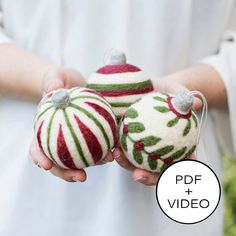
(183, 101)
(61, 98)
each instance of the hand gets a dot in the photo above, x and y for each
(145, 177)
(55, 79)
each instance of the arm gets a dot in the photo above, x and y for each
(27, 75)
(201, 77)
(21, 72)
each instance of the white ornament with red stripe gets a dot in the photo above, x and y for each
(120, 83)
(75, 128)
(158, 130)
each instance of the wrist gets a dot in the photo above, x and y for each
(203, 78)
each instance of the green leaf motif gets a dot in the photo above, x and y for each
(135, 127)
(187, 127)
(138, 156)
(131, 113)
(191, 150)
(164, 167)
(162, 109)
(159, 99)
(173, 122)
(165, 150)
(195, 120)
(179, 153)
(152, 163)
(150, 140)
(123, 142)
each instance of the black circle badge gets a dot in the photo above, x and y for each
(188, 191)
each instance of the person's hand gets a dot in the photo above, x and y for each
(55, 79)
(145, 177)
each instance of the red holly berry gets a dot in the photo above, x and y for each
(138, 145)
(154, 156)
(168, 160)
(125, 129)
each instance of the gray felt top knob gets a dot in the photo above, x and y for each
(61, 98)
(183, 101)
(117, 58)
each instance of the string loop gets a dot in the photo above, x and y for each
(204, 114)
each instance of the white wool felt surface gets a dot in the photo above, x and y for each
(98, 125)
(155, 124)
(118, 78)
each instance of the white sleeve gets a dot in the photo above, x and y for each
(3, 37)
(225, 64)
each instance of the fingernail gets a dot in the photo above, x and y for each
(141, 179)
(116, 156)
(42, 164)
(76, 179)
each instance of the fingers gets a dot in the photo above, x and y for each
(53, 79)
(145, 177)
(42, 161)
(62, 78)
(197, 104)
(69, 175)
(39, 158)
(106, 159)
(141, 176)
(192, 157)
(74, 78)
(122, 160)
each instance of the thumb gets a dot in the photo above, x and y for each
(53, 79)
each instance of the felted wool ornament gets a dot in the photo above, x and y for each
(158, 130)
(120, 83)
(75, 128)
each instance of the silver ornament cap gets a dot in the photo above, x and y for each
(183, 101)
(117, 58)
(61, 98)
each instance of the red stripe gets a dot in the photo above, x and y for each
(125, 92)
(63, 152)
(92, 142)
(39, 139)
(172, 108)
(115, 69)
(107, 116)
(92, 91)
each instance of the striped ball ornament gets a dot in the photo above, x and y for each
(75, 128)
(158, 130)
(120, 83)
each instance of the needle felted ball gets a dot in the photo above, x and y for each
(120, 83)
(75, 128)
(158, 130)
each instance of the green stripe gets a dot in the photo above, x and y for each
(43, 112)
(194, 119)
(75, 139)
(95, 120)
(118, 120)
(49, 136)
(121, 104)
(91, 97)
(73, 90)
(127, 86)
